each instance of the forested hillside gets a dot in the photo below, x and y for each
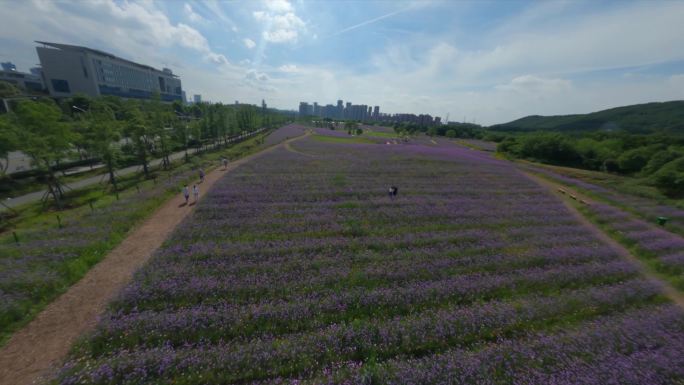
(639, 118)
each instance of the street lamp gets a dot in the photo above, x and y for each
(79, 108)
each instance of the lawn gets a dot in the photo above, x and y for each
(341, 139)
(300, 269)
(380, 134)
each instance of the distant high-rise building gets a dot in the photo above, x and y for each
(316, 109)
(197, 98)
(8, 66)
(71, 69)
(263, 104)
(184, 98)
(376, 112)
(329, 111)
(340, 109)
(304, 108)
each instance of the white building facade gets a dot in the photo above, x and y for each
(69, 69)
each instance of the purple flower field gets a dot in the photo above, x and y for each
(661, 247)
(48, 259)
(284, 133)
(664, 249)
(648, 209)
(298, 268)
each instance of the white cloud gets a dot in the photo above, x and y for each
(249, 43)
(281, 36)
(280, 23)
(279, 6)
(255, 75)
(191, 14)
(535, 84)
(289, 68)
(133, 27)
(258, 80)
(217, 58)
(637, 34)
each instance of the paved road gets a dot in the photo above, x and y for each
(102, 178)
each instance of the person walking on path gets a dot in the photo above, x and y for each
(225, 163)
(186, 193)
(201, 174)
(195, 192)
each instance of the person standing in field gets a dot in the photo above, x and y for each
(225, 163)
(201, 174)
(195, 192)
(186, 193)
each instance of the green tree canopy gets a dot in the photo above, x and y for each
(42, 134)
(8, 90)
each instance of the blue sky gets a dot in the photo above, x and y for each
(482, 61)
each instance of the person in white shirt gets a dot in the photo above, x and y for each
(186, 194)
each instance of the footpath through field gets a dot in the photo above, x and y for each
(42, 344)
(675, 295)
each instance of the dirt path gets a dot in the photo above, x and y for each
(33, 351)
(670, 291)
(289, 148)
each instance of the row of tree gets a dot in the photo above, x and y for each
(658, 158)
(451, 130)
(113, 131)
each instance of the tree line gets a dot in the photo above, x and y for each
(117, 132)
(656, 157)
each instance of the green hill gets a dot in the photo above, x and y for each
(639, 118)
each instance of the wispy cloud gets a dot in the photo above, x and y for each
(215, 9)
(280, 22)
(191, 14)
(249, 43)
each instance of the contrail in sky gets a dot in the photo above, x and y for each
(371, 21)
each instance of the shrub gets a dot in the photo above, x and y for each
(670, 178)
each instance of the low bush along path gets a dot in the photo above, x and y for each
(42, 344)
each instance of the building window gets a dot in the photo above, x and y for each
(60, 85)
(33, 86)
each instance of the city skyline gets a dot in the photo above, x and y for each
(490, 62)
